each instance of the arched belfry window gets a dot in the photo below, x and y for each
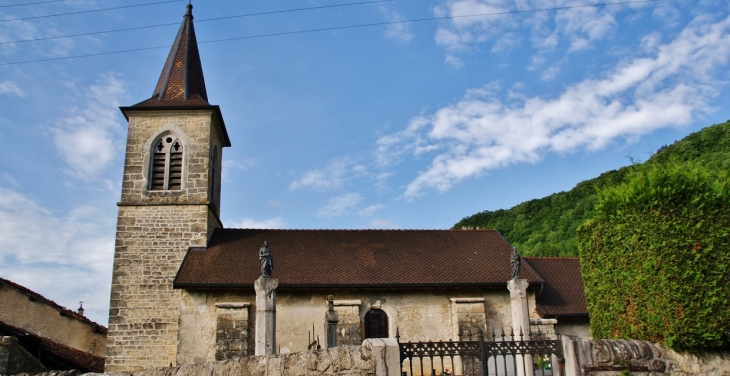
(376, 324)
(167, 163)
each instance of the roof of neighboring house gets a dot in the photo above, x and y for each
(562, 294)
(350, 258)
(65, 311)
(77, 359)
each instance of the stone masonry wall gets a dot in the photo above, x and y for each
(417, 315)
(143, 315)
(617, 357)
(193, 128)
(154, 231)
(344, 360)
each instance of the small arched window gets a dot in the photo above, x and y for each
(376, 324)
(167, 163)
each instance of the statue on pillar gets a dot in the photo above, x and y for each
(266, 259)
(515, 261)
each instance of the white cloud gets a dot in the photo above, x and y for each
(340, 205)
(480, 132)
(67, 258)
(398, 32)
(454, 61)
(550, 73)
(383, 224)
(11, 180)
(330, 178)
(90, 137)
(229, 165)
(370, 210)
(580, 28)
(254, 223)
(7, 87)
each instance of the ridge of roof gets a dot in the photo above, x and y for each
(53, 304)
(181, 81)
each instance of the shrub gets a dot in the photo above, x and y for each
(656, 257)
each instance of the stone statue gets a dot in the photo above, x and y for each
(515, 261)
(266, 259)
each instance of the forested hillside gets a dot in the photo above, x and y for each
(547, 226)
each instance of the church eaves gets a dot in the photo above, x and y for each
(181, 82)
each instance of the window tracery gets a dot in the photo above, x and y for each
(167, 165)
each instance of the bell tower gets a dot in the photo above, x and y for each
(170, 202)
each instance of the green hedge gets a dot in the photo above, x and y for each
(656, 258)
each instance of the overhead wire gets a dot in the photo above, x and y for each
(341, 28)
(36, 3)
(90, 11)
(199, 21)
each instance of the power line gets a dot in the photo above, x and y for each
(89, 11)
(425, 19)
(340, 28)
(36, 3)
(199, 21)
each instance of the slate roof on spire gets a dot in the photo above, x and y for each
(181, 82)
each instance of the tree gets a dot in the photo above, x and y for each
(656, 257)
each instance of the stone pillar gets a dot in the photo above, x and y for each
(386, 354)
(331, 319)
(265, 315)
(520, 317)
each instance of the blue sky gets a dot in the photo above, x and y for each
(403, 126)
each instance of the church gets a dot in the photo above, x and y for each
(183, 284)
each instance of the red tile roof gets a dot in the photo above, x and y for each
(66, 312)
(342, 258)
(562, 294)
(80, 360)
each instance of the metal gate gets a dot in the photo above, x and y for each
(503, 355)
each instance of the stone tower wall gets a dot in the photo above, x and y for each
(154, 231)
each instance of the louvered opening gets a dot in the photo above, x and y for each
(176, 170)
(158, 172)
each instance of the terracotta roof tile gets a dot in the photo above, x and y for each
(562, 294)
(340, 258)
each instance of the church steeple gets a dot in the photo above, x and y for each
(181, 82)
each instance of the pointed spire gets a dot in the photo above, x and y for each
(181, 82)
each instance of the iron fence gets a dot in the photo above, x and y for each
(509, 355)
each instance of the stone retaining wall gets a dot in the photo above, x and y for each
(375, 357)
(616, 357)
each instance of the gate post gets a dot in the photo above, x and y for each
(521, 318)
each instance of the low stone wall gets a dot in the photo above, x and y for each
(375, 357)
(615, 357)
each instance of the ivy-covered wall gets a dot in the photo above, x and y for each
(656, 258)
